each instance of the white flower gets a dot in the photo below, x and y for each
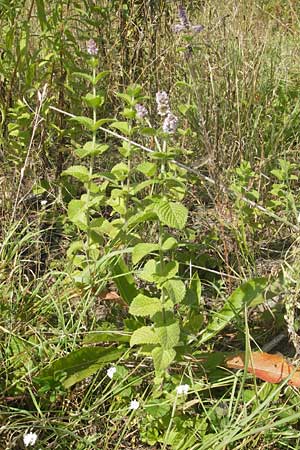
(44, 202)
(29, 439)
(111, 371)
(134, 404)
(182, 389)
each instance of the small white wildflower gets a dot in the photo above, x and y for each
(111, 371)
(134, 404)
(44, 202)
(182, 389)
(29, 439)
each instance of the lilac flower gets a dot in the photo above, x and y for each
(185, 24)
(184, 20)
(141, 111)
(197, 28)
(91, 47)
(170, 123)
(162, 100)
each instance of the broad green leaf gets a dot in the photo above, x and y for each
(77, 213)
(169, 243)
(246, 295)
(148, 272)
(168, 335)
(83, 75)
(120, 171)
(145, 306)
(141, 250)
(100, 123)
(144, 335)
(175, 289)
(82, 363)
(147, 131)
(172, 214)
(124, 127)
(79, 172)
(91, 149)
(141, 217)
(162, 358)
(147, 168)
(84, 121)
(165, 272)
(94, 101)
(100, 76)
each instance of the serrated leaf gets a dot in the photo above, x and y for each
(83, 75)
(148, 272)
(82, 363)
(91, 149)
(100, 76)
(120, 171)
(165, 272)
(162, 358)
(79, 172)
(141, 250)
(175, 289)
(85, 121)
(172, 214)
(144, 335)
(94, 101)
(145, 306)
(124, 127)
(77, 214)
(147, 168)
(248, 294)
(169, 243)
(168, 335)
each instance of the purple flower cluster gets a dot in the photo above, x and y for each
(91, 47)
(141, 111)
(170, 123)
(162, 101)
(185, 24)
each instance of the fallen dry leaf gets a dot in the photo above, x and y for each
(267, 367)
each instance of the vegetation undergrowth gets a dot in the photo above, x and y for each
(149, 223)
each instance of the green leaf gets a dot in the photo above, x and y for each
(162, 358)
(84, 121)
(168, 335)
(100, 76)
(165, 271)
(175, 289)
(248, 294)
(77, 213)
(144, 335)
(106, 336)
(83, 75)
(147, 168)
(101, 122)
(148, 272)
(82, 363)
(141, 250)
(91, 149)
(124, 127)
(40, 7)
(123, 279)
(94, 101)
(147, 131)
(120, 171)
(145, 306)
(79, 172)
(169, 244)
(172, 214)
